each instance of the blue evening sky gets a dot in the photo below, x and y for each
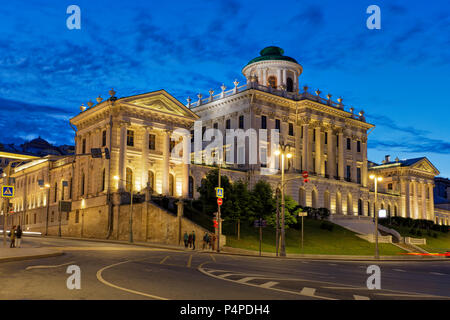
(398, 75)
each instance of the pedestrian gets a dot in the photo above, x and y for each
(186, 239)
(12, 235)
(18, 236)
(190, 240)
(193, 240)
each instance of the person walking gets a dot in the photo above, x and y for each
(18, 236)
(190, 240)
(205, 241)
(193, 240)
(12, 235)
(186, 239)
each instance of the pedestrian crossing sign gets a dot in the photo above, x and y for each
(7, 191)
(219, 192)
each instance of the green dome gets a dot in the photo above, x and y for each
(272, 53)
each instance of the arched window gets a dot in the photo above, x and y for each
(349, 204)
(191, 187)
(302, 197)
(289, 85)
(171, 185)
(360, 207)
(151, 181)
(129, 179)
(272, 82)
(338, 203)
(314, 199)
(395, 211)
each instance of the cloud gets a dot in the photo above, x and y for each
(387, 122)
(419, 145)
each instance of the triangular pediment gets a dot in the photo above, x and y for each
(425, 165)
(160, 101)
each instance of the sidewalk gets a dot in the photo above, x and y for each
(25, 252)
(242, 252)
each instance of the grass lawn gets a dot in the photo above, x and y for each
(340, 241)
(440, 244)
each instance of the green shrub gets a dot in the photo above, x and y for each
(419, 233)
(434, 235)
(327, 226)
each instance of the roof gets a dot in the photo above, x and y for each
(426, 165)
(272, 53)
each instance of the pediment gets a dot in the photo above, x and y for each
(425, 165)
(161, 102)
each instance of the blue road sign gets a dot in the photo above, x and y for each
(7, 191)
(219, 192)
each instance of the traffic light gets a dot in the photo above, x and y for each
(216, 224)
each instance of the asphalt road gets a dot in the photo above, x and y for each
(116, 271)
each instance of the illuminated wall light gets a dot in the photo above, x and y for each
(179, 187)
(83, 204)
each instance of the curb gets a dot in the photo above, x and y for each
(256, 255)
(31, 257)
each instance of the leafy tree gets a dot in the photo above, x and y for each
(262, 201)
(291, 212)
(241, 204)
(208, 193)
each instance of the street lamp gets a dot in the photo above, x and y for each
(131, 206)
(376, 178)
(283, 151)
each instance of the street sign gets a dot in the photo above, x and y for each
(7, 191)
(219, 201)
(305, 174)
(219, 192)
(96, 152)
(260, 223)
(303, 214)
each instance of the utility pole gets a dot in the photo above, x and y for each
(6, 204)
(277, 243)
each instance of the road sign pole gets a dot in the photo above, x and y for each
(6, 204)
(302, 234)
(218, 220)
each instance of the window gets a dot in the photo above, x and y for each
(172, 144)
(349, 147)
(291, 129)
(151, 181)
(272, 82)
(70, 189)
(83, 149)
(289, 85)
(349, 173)
(82, 183)
(130, 138)
(103, 138)
(358, 146)
(390, 186)
(326, 168)
(192, 137)
(216, 125)
(358, 175)
(152, 141)
(337, 141)
(191, 187)
(56, 191)
(203, 131)
(278, 124)
(263, 157)
(241, 122)
(171, 185)
(326, 138)
(314, 135)
(228, 124)
(103, 179)
(263, 122)
(129, 179)
(314, 165)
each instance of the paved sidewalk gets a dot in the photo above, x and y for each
(26, 252)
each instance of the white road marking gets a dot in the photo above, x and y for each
(268, 284)
(47, 267)
(308, 292)
(399, 270)
(212, 257)
(360, 297)
(164, 260)
(332, 264)
(438, 273)
(346, 288)
(189, 261)
(246, 279)
(100, 278)
(225, 275)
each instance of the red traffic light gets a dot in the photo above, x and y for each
(216, 224)
(305, 174)
(305, 180)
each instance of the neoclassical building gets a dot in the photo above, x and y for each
(142, 135)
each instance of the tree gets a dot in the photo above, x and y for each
(241, 205)
(263, 202)
(208, 193)
(291, 210)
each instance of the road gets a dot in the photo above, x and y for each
(120, 271)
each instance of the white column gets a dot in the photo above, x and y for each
(415, 200)
(407, 200)
(165, 164)
(310, 148)
(318, 150)
(284, 78)
(305, 148)
(278, 78)
(144, 159)
(186, 163)
(264, 77)
(331, 160)
(364, 159)
(122, 156)
(341, 156)
(424, 201)
(298, 153)
(431, 202)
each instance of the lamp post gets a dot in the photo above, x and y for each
(131, 206)
(376, 178)
(284, 154)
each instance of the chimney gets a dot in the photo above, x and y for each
(387, 158)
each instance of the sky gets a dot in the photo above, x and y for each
(399, 74)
